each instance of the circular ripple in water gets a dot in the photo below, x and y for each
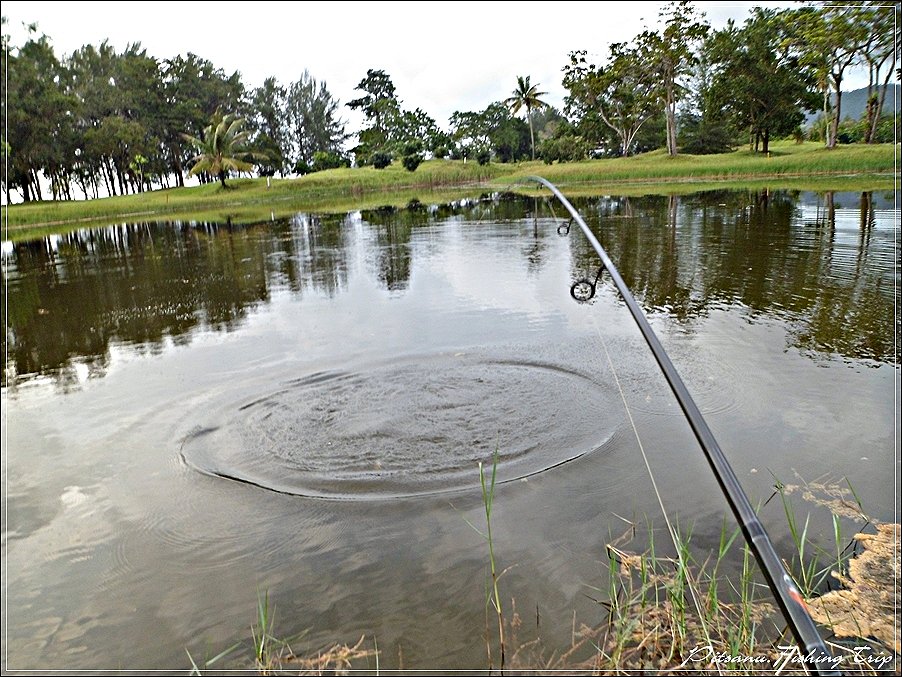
(407, 429)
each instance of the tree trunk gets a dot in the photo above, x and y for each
(872, 131)
(872, 103)
(532, 138)
(222, 178)
(765, 142)
(180, 179)
(834, 126)
(37, 185)
(670, 113)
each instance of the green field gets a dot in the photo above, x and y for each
(788, 165)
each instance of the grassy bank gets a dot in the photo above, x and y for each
(787, 160)
(802, 166)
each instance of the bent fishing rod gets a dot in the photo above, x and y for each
(817, 657)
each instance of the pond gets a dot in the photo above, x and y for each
(198, 414)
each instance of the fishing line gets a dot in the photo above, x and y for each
(654, 484)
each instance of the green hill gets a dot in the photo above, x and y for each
(855, 102)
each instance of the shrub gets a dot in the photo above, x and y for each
(565, 148)
(381, 159)
(484, 156)
(325, 160)
(700, 136)
(412, 161)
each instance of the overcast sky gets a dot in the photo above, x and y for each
(442, 56)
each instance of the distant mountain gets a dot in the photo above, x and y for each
(855, 102)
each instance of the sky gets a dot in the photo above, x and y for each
(441, 56)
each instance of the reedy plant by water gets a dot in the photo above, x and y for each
(493, 596)
(651, 623)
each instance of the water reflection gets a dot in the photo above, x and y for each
(827, 271)
(825, 265)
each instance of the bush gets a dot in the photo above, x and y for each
(566, 148)
(301, 168)
(699, 136)
(440, 153)
(323, 160)
(483, 157)
(412, 161)
(381, 159)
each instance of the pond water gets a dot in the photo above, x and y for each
(196, 414)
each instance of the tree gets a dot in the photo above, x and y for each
(37, 122)
(381, 108)
(757, 81)
(671, 56)
(312, 119)
(881, 48)
(622, 95)
(704, 129)
(493, 130)
(829, 39)
(418, 127)
(269, 104)
(527, 96)
(194, 91)
(222, 148)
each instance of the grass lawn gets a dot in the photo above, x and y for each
(788, 165)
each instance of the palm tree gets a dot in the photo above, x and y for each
(223, 148)
(526, 96)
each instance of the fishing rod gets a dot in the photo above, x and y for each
(817, 657)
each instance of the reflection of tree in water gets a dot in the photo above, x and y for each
(855, 309)
(71, 297)
(393, 229)
(315, 255)
(828, 275)
(686, 255)
(136, 283)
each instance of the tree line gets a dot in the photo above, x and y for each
(100, 121)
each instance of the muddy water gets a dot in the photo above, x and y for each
(195, 413)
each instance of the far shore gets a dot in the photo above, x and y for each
(791, 166)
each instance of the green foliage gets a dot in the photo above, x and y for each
(526, 96)
(862, 131)
(620, 96)
(670, 54)
(567, 147)
(382, 110)
(311, 122)
(827, 41)
(484, 156)
(759, 84)
(699, 136)
(223, 148)
(411, 161)
(83, 122)
(390, 129)
(328, 160)
(493, 130)
(381, 159)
